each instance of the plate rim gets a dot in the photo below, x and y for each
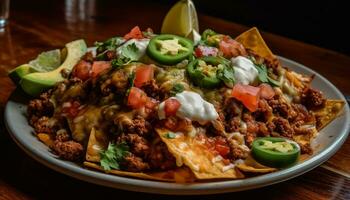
(158, 187)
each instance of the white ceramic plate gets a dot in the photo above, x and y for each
(328, 142)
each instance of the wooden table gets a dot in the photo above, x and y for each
(41, 25)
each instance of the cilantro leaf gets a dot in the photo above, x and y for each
(114, 154)
(170, 135)
(109, 45)
(264, 77)
(177, 88)
(227, 76)
(129, 53)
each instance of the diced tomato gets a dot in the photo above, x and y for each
(143, 74)
(171, 106)
(72, 109)
(223, 150)
(201, 51)
(266, 91)
(98, 67)
(135, 33)
(137, 98)
(231, 48)
(248, 95)
(82, 70)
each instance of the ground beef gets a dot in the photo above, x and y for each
(299, 114)
(62, 135)
(237, 152)
(139, 126)
(305, 148)
(120, 80)
(40, 107)
(68, 150)
(312, 98)
(42, 125)
(263, 130)
(232, 108)
(263, 112)
(138, 145)
(151, 89)
(161, 158)
(252, 129)
(283, 127)
(300, 129)
(133, 163)
(279, 107)
(233, 125)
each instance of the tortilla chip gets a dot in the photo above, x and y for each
(332, 109)
(251, 39)
(251, 165)
(182, 175)
(191, 152)
(98, 141)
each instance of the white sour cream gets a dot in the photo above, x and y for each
(245, 71)
(193, 107)
(141, 44)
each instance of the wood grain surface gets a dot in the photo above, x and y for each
(40, 25)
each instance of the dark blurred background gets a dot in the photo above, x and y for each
(322, 23)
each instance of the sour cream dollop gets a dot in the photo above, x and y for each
(245, 71)
(193, 107)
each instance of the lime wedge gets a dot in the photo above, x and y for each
(181, 19)
(47, 61)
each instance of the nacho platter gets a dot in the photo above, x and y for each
(184, 157)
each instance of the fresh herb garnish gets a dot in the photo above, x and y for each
(227, 76)
(170, 135)
(177, 88)
(113, 155)
(264, 77)
(128, 54)
(109, 45)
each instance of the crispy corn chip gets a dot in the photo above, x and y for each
(251, 39)
(97, 141)
(332, 109)
(182, 175)
(250, 165)
(194, 154)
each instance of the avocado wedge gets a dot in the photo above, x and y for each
(37, 82)
(19, 72)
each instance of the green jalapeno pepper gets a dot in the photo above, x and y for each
(204, 71)
(275, 152)
(211, 38)
(169, 49)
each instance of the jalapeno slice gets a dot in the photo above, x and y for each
(169, 49)
(275, 152)
(204, 71)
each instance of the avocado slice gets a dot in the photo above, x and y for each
(35, 83)
(17, 74)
